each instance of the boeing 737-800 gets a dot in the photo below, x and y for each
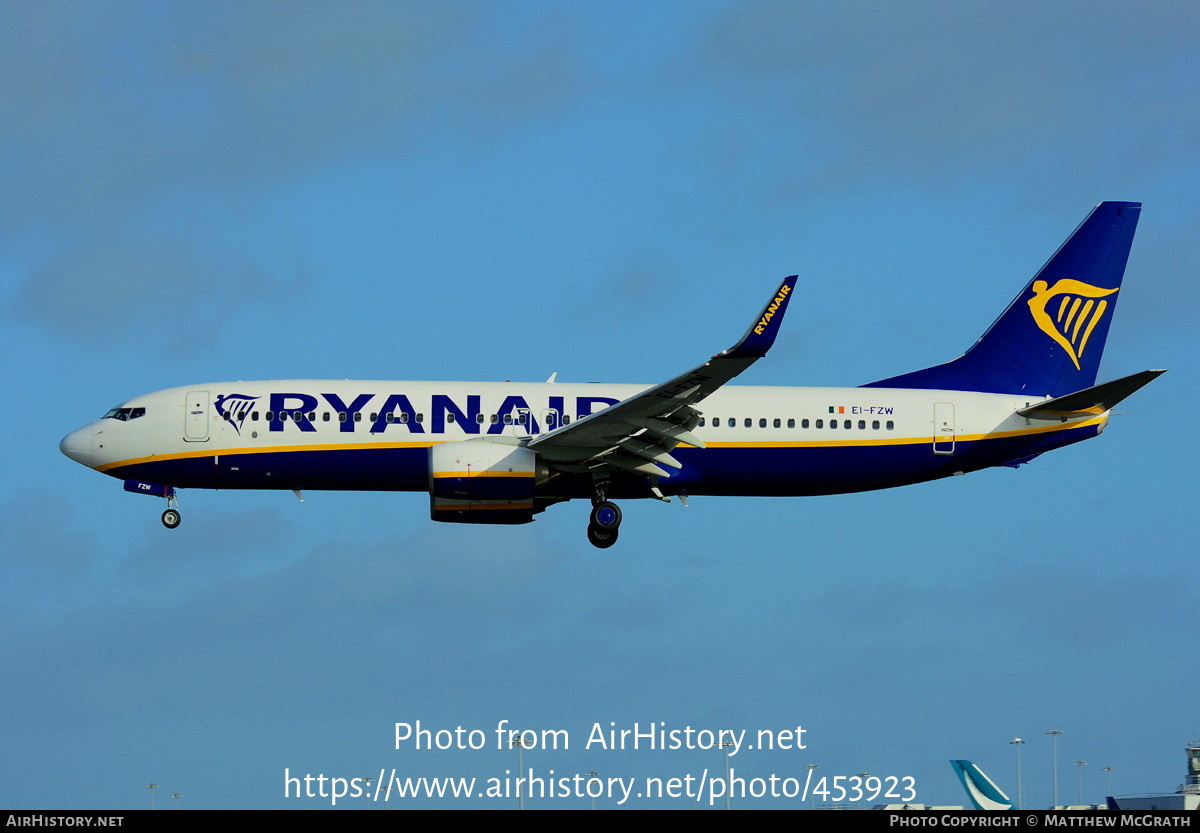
(500, 453)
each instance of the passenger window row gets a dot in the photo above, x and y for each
(521, 418)
(748, 422)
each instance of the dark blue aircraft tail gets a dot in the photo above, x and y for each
(1050, 339)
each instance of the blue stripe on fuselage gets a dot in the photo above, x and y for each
(717, 470)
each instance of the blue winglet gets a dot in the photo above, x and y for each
(761, 335)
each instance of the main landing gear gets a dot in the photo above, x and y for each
(604, 521)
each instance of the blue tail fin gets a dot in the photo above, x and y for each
(1050, 339)
(982, 791)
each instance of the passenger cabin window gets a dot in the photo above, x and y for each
(875, 424)
(762, 423)
(749, 422)
(890, 425)
(732, 422)
(819, 423)
(791, 423)
(777, 423)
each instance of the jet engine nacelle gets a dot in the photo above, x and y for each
(490, 480)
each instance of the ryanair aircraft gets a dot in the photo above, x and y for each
(500, 453)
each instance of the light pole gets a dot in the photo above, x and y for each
(515, 740)
(1079, 765)
(1054, 733)
(728, 782)
(1017, 743)
(592, 776)
(176, 796)
(1108, 771)
(367, 793)
(812, 801)
(152, 787)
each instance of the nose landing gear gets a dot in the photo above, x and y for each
(171, 517)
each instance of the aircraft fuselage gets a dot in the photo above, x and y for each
(312, 435)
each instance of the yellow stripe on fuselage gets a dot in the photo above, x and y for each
(483, 473)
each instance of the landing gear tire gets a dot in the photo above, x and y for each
(171, 518)
(602, 538)
(605, 515)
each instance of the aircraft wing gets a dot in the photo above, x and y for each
(638, 433)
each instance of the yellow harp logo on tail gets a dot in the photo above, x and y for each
(1071, 319)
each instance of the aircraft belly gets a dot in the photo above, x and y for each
(360, 469)
(824, 470)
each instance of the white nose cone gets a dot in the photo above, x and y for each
(78, 445)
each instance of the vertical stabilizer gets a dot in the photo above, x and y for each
(1050, 339)
(982, 791)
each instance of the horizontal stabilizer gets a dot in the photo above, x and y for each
(1094, 400)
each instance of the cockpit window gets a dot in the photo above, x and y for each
(125, 414)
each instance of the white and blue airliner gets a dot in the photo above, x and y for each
(501, 452)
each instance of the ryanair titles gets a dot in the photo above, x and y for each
(772, 308)
(398, 412)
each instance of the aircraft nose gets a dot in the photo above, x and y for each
(78, 445)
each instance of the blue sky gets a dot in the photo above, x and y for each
(195, 192)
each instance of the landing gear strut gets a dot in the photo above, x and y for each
(604, 521)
